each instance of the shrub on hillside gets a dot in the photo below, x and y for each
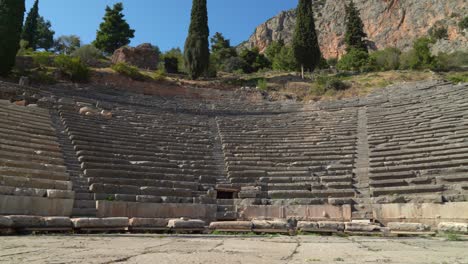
(438, 31)
(463, 23)
(130, 71)
(354, 60)
(159, 75)
(88, 54)
(332, 62)
(235, 64)
(255, 61)
(284, 60)
(385, 60)
(262, 84)
(72, 67)
(42, 59)
(419, 57)
(453, 61)
(24, 49)
(325, 84)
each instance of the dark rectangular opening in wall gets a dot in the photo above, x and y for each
(225, 195)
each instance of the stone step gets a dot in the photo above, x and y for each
(84, 212)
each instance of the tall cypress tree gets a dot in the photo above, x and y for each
(355, 35)
(30, 26)
(11, 21)
(305, 43)
(114, 32)
(197, 52)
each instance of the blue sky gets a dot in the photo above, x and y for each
(161, 22)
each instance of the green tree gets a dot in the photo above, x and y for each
(354, 60)
(197, 52)
(463, 24)
(355, 35)
(306, 48)
(44, 35)
(284, 61)
(221, 50)
(67, 44)
(11, 21)
(420, 56)
(274, 49)
(172, 57)
(30, 26)
(114, 32)
(254, 60)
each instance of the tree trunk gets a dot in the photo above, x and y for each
(302, 72)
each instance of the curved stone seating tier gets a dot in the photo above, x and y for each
(292, 155)
(33, 176)
(419, 142)
(144, 154)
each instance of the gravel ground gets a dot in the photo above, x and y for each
(229, 249)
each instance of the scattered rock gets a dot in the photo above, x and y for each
(106, 114)
(24, 81)
(453, 227)
(88, 111)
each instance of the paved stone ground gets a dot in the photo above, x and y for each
(226, 250)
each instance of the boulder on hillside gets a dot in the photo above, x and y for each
(143, 56)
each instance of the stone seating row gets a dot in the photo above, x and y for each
(31, 162)
(140, 156)
(417, 141)
(291, 152)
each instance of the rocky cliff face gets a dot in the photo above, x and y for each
(389, 23)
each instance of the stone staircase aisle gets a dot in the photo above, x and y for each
(84, 205)
(362, 208)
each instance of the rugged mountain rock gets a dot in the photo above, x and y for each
(389, 23)
(143, 56)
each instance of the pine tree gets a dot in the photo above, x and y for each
(11, 21)
(355, 35)
(221, 50)
(44, 35)
(197, 53)
(305, 43)
(114, 32)
(30, 26)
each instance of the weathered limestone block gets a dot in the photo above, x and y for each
(361, 227)
(453, 227)
(111, 222)
(5, 222)
(25, 221)
(148, 222)
(332, 226)
(408, 227)
(59, 194)
(183, 223)
(148, 199)
(307, 226)
(58, 222)
(30, 192)
(232, 225)
(7, 190)
(279, 224)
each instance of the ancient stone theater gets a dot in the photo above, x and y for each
(100, 159)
